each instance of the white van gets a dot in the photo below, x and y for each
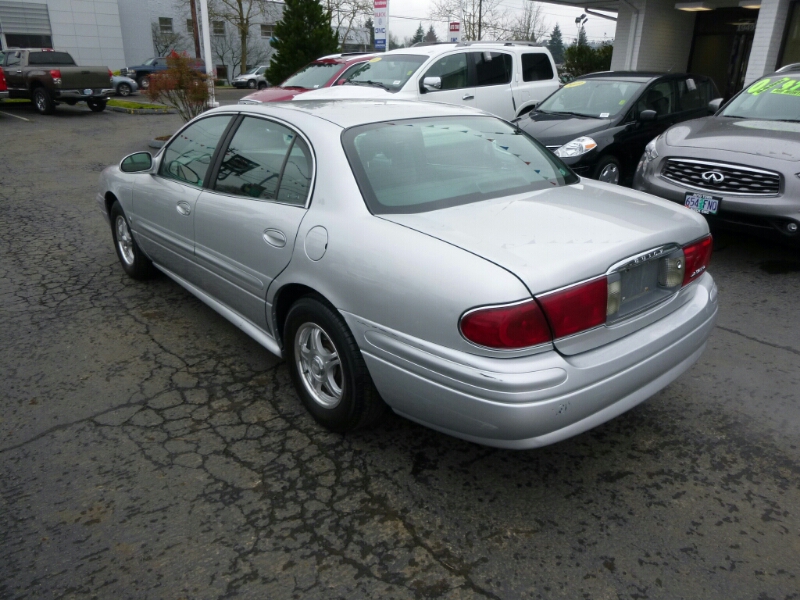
(504, 78)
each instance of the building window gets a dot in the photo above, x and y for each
(267, 31)
(791, 40)
(165, 24)
(218, 28)
(222, 72)
(189, 25)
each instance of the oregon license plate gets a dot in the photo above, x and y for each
(706, 205)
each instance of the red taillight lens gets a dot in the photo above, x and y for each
(55, 73)
(697, 255)
(506, 327)
(2, 80)
(576, 308)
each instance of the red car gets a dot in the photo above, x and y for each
(321, 73)
(3, 87)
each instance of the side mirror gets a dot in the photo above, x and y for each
(431, 84)
(648, 115)
(714, 105)
(139, 162)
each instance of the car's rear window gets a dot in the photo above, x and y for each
(50, 58)
(419, 165)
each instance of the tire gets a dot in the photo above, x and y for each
(124, 89)
(96, 105)
(144, 82)
(608, 170)
(262, 86)
(338, 391)
(43, 102)
(130, 256)
(251, 83)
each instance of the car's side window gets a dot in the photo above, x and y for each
(13, 59)
(693, 93)
(188, 156)
(658, 97)
(536, 66)
(492, 68)
(452, 69)
(259, 153)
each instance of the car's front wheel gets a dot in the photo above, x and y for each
(251, 83)
(144, 82)
(327, 368)
(608, 170)
(130, 256)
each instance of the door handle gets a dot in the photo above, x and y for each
(275, 237)
(183, 208)
(467, 97)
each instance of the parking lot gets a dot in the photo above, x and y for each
(150, 449)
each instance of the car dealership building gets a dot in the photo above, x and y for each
(732, 41)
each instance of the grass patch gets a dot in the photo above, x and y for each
(15, 101)
(134, 105)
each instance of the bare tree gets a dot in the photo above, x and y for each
(165, 42)
(529, 25)
(227, 50)
(241, 15)
(346, 14)
(493, 17)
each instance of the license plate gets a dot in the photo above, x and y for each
(706, 205)
(87, 92)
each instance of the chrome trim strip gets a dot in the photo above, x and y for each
(642, 257)
(725, 166)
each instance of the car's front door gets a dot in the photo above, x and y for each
(493, 93)
(246, 223)
(164, 203)
(15, 80)
(453, 73)
(658, 97)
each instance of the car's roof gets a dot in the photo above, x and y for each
(349, 113)
(634, 75)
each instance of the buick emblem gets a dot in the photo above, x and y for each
(713, 177)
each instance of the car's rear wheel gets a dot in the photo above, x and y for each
(262, 85)
(608, 170)
(43, 102)
(96, 105)
(251, 83)
(124, 89)
(327, 368)
(130, 256)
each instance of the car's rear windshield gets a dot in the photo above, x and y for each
(419, 165)
(389, 72)
(50, 58)
(601, 98)
(772, 98)
(313, 76)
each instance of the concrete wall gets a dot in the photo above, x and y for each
(768, 37)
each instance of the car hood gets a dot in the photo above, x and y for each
(558, 236)
(274, 94)
(560, 129)
(772, 139)
(350, 92)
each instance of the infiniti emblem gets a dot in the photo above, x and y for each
(713, 177)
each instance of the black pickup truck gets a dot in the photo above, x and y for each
(49, 78)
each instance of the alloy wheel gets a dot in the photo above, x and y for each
(124, 240)
(319, 365)
(610, 174)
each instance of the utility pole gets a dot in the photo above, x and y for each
(480, 17)
(211, 72)
(195, 29)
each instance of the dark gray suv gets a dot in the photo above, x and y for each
(740, 167)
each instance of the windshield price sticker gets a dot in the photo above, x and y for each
(574, 84)
(706, 205)
(785, 85)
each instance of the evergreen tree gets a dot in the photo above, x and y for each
(431, 35)
(370, 26)
(419, 35)
(556, 45)
(582, 39)
(303, 34)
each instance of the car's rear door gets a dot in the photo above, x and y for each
(493, 71)
(164, 203)
(246, 223)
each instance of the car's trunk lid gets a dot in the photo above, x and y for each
(556, 237)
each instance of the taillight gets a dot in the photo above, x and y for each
(697, 255)
(2, 80)
(111, 76)
(55, 74)
(508, 327)
(578, 307)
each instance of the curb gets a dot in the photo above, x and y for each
(142, 111)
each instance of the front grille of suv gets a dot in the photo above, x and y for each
(721, 177)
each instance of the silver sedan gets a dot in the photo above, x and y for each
(424, 258)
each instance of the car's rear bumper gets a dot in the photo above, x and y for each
(97, 94)
(541, 399)
(4, 94)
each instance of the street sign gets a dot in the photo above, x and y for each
(455, 31)
(380, 16)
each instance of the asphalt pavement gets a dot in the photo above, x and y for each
(150, 449)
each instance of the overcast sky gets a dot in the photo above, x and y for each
(419, 10)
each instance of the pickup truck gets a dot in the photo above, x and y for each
(141, 73)
(49, 78)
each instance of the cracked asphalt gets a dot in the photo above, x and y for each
(149, 449)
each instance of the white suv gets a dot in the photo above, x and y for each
(504, 78)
